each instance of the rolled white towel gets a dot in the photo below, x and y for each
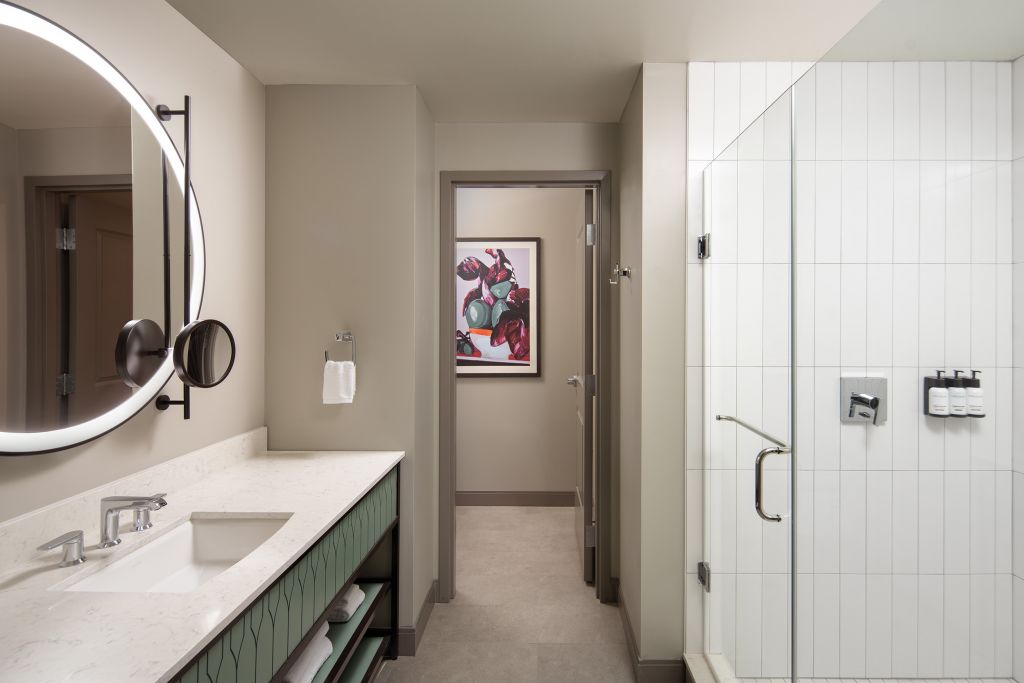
(347, 606)
(312, 658)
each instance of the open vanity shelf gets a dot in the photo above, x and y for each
(356, 652)
(268, 637)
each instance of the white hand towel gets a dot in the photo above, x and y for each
(347, 606)
(339, 382)
(312, 658)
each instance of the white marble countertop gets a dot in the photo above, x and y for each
(54, 635)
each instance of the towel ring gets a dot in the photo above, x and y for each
(346, 337)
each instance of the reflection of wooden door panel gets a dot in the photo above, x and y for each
(77, 300)
(101, 298)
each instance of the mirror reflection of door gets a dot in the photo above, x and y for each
(80, 244)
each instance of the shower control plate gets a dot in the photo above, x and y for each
(863, 386)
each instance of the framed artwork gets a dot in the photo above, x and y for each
(497, 326)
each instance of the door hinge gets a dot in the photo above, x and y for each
(590, 536)
(592, 384)
(591, 234)
(704, 575)
(704, 246)
(66, 239)
(65, 384)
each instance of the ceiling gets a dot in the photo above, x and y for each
(45, 87)
(524, 60)
(936, 30)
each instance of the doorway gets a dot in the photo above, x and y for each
(587, 252)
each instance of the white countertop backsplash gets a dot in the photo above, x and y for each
(52, 635)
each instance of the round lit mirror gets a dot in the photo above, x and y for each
(140, 352)
(204, 353)
(82, 198)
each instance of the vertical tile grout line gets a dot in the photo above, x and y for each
(892, 370)
(970, 355)
(867, 251)
(839, 444)
(919, 420)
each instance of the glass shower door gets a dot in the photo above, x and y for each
(747, 402)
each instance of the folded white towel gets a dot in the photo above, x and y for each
(339, 382)
(312, 658)
(347, 606)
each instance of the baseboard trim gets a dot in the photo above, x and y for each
(409, 637)
(648, 670)
(547, 499)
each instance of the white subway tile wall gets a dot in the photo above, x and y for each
(910, 544)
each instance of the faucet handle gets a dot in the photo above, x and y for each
(141, 509)
(866, 401)
(157, 498)
(73, 543)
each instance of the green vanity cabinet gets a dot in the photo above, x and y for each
(254, 648)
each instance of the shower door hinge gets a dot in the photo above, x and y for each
(65, 384)
(704, 575)
(590, 536)
(591, 234)
(704, 246)
(591, 381)
(66, 239)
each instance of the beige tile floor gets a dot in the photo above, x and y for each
(521, 612)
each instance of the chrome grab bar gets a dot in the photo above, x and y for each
(758, 478)
(741, 423)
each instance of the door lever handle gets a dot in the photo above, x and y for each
(759, 479)
(573, 380)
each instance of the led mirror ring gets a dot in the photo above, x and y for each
(139, 352)
(196, 357)
(19, 443)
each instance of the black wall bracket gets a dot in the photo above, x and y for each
(165, 113)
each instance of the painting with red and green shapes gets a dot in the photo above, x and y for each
(496, 307)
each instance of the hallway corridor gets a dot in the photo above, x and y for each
(522, 612)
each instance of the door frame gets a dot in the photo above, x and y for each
(450, 181)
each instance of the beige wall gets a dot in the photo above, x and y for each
(520, 433)
(662, 365)
(347, 213)
(629, 290)
(427, 330)
(526, 146)
(653, 315)
(228, 164)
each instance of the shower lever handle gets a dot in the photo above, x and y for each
(759, 480)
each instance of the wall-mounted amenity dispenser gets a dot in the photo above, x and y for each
(936, 395)
(957, 394)
(975, 395)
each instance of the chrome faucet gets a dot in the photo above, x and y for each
(864, 406)
(73, 545)
(110, 515)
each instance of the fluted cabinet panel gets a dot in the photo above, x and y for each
(253, 648)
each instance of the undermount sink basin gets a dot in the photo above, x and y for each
(187, 556)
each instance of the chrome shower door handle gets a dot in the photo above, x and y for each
(759, 479)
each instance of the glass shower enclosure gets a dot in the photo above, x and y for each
(861, 236)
